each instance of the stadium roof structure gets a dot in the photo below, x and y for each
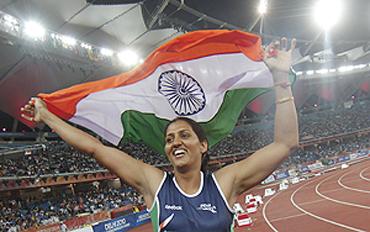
(144, 25)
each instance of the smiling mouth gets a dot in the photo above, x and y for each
(179, 153)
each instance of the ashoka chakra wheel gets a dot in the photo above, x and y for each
(182, 91)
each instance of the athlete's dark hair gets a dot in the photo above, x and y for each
(198, 130)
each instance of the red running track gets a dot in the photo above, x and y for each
(335, 201)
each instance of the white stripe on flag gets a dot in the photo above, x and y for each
(101, 111)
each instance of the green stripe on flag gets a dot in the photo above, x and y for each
(147, 128)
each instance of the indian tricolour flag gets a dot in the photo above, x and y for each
(208, 76)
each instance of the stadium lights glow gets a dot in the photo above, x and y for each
(299, 73)
(141, 61)
(34, 30)
(322, 71)
(346, 68)
(262, 7)
(360, 66)
(106, 52)
(68, 40)
(56, 36)
(128, 57)
(85, 45)
(10, 21)
(310, 72)
(327, 13)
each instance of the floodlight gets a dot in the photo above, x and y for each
(310, 72)
(85, 45)
(34, 30)
(262, 7)
(360, 66)
(128, 57)
(106, 52)
(327, 13)
(299, 73)
(346, 68)
(322, 71)
(68, 40)
(10, 21)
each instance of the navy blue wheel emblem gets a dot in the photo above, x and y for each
(182, 91)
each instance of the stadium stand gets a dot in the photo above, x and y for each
(324, 134)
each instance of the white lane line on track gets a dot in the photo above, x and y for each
(336, 189)
(264, 213)
(339, 181)
(312, 202)
(288, 217)
(337, 201)
(362, 174)
(318, 217)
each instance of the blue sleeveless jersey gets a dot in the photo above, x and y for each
(206, 210)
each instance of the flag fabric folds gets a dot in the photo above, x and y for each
(208, 76)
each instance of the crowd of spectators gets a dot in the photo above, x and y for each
(327, 150)
(60, 158)
(17, 214)
(144, 153)
(336, 121)
(250, 137)
(57, 158)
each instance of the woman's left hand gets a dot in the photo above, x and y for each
(278, 57)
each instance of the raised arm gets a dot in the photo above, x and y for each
(237, 178)
(145, 178)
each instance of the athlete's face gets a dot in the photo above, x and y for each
(182, 145)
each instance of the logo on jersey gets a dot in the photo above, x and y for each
(173, 207)
(166, 221)
(207, 207)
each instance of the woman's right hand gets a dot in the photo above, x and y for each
(32, 110)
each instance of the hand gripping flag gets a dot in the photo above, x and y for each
(208, 76)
